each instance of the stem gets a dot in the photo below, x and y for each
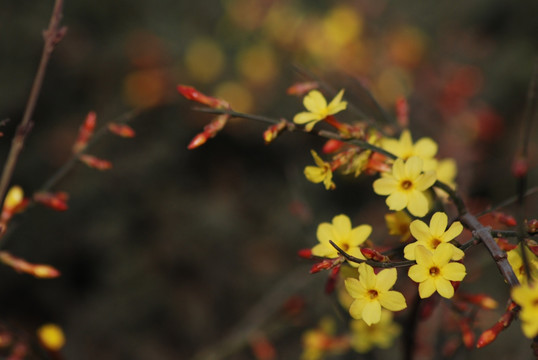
(52, 35)
(392, 264)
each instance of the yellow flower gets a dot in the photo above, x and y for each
(372, 292)
(318, 109)
(526, 296)
(516, 262)
(51, 336)
(320, 173)
(364, 338)
(434, 235)
(405, 185)
(319, 342)
(425, 148)
(398, 224)
(341, 233)
(434, 271)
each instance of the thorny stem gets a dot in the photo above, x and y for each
(52, 36)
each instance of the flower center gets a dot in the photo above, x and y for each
(345, 247)
(434, 271)
(373, 294)
(435, 242)
(406, 184)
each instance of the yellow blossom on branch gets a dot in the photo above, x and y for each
(318, 109)
(320, 173)
(425, 148)
(398, 224)
(432, 236)
(405, 185)
(434, 271)
(526, 296)
(372, 292)
(516, 262)
(381, 335)
(341, 233)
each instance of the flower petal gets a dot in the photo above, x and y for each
(425, 148)
(337, 105)
(367, 276)
(325, 232)
(413, 167)
(324, 250)
(424, 257)
(355, 288)
(409, 250)
(386, 279)
(371, 313)
(315, 102)
(438, 224)
(385, 185)
(443, 254)
(314, 174)
(444, 287)
(398, 169)
(418, 273)
(356, 309)
(392, 300)
(397, 201)
(420, 230)
(453, 231)
(341, 226)
(454, 271)
(426, 288)
(417, 203)
(359, 234)
(426, 180)
(305, 117)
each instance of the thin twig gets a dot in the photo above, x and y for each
(52, 36)
(521, 164)
(506, 202)
(391, 264)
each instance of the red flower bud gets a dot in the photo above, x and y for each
(85, 132)
(122, 130)
(57, 201)
(94, 162)
(402, 111)
(191, 93)
(305, 253)
(332, 145)
(302, 88)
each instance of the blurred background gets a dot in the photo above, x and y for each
(176, 254)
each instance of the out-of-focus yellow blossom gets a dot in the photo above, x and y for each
(318, 109)
(398, 224)
(516, 262)
(321, 341)
(204, 59)
(340, 232)
(237, 94)
(434, 235)
(434, 271)
(14, 197)
(405, 186)
(424, 148)
(381, 335)
(372, 292)
(526, 296)
(51, 336)
(320, 173)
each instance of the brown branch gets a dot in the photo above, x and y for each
(391, 264)
(52, 36)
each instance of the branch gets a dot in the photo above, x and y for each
(392, 264)
(52, 36)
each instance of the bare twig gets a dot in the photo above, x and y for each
(52, 36)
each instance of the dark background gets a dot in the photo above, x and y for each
(173, 252)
